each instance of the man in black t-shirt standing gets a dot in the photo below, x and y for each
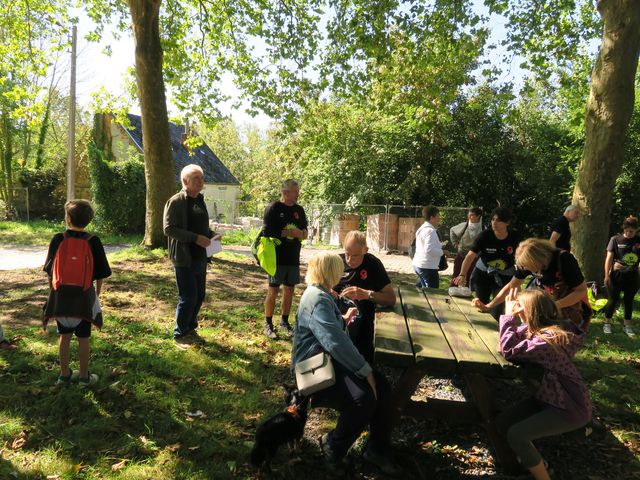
(286, 221)
(560, 230)
(365, 283)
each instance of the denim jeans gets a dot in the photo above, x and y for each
(191, 282)
(427, 277)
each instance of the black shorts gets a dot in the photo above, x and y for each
(83, 330)
(287, 275)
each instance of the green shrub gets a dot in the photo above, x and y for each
(46, 192)
(119, 191)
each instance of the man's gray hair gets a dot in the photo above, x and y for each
(188, 170)
(571, 208)
(288, 185)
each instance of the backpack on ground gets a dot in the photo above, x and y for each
(73, 263)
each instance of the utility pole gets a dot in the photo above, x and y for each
(71, 168)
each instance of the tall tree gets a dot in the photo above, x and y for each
(609, 109)
(554, 35)
(145, 16)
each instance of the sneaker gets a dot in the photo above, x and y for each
(62, 380)
(336, 465)
(287, 329)
(6, 345)
(270, 332)
(629, 331)
(383, 462)
(87, 382)
(606, 328)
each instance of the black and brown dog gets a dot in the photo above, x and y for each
(283, 428)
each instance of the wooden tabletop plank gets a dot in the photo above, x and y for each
(486, 327)
(470, 350)
(429, 343)
(392, 341)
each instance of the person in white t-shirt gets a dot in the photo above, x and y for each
(428, 249)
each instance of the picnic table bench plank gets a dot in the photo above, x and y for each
(393, 344)
(467, 346)
(430, 346)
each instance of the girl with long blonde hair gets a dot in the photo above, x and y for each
(533, 330)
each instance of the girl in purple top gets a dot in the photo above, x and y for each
(532, 330)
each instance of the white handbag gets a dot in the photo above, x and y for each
(315, 373)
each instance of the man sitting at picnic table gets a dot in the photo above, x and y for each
(364, 283)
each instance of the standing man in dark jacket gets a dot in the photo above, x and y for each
(286, 221)
(186, 225)
(560, 230)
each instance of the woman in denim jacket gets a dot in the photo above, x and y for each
(362, 394)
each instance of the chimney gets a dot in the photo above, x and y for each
(186, 133)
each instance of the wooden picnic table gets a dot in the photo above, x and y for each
(428, 332)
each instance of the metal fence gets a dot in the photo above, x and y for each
(329, 221)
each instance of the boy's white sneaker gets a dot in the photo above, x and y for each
(606, 328)
(87, 382)
(629, 331)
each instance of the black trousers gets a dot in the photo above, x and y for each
(626, 283)
(358, 408)
(486, 285)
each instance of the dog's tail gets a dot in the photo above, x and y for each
(258, 455)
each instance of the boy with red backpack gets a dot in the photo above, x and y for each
(75, 259)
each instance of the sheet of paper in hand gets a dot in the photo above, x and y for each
(214, 247)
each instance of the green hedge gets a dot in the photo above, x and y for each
(46, 192)
(119, 191)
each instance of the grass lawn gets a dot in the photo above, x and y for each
(136, 423)
(39, 232)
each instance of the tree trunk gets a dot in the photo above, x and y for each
(158, 160)
(609, 110)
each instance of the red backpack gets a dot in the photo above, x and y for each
(73, 263)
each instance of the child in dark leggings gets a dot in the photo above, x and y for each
(532, 331)
(621, 273)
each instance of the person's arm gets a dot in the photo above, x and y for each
(326, 327)
(499, 298)
(384, 296)
(515, 344)
(455, 240)
(433, 247)
(98, 287)
(554, 237)
(608, 266)
(463, 279)
(576, 295)
(172, 224)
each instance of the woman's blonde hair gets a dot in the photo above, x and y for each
(543, 316)
(325, 268)
(534, 252)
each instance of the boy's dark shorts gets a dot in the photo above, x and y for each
(287, 275)
(83, 330)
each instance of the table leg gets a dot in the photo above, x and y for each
(405, 387)
(484, 401)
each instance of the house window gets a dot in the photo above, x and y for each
(222, 188)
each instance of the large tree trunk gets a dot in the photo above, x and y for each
(158, 161)
(609, 110)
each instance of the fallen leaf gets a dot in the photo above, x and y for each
(117, 466)
(53, 477)
(127, 414)
(143, 439)
(19, 441)
(173, 447)
(194, 448)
